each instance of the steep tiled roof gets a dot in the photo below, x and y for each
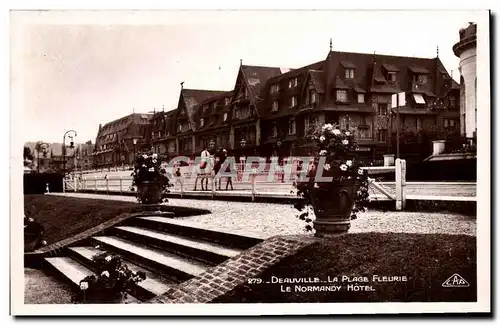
(257, 76)
(318, 80)
(122, 124)
(194, 97)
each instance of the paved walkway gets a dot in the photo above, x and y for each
(269, 219)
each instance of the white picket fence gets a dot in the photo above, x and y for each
(247, 183)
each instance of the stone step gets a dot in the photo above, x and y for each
(152, 286)
(190, 247)
(184, 229)
(69, 268)
(173, 266)
(74, 272)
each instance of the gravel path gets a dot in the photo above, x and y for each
(269, 219)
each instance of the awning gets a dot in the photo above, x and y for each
(419, 99)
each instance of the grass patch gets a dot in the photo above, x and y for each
(40, 288)
(63, 217)
(427, 260)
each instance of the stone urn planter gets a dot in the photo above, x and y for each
(333, 207)
(336, 183)
(149, 193)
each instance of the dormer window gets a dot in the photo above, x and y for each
(420, 79)
(293, 82)
(214, 104)
(275, 106)
(341, 96)
(227, 101)
(313, 97)
(275, 89)
(225, 117)
(361, 98)
(293, 101)
(391, 76)
(349, 73)
(202, 122)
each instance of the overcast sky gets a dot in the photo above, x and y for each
(78, 74)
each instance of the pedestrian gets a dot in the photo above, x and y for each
(228, 171)
(219, 160)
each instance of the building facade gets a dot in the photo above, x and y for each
(117, 141)
(271, 111)
(465, 49)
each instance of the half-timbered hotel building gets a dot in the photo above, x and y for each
(270, 111)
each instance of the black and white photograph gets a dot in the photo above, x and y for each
(250, 162)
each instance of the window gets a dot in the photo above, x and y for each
(159, 134)
(361, 98)
(391, 76)
(274, 130)
(180, 127)
(419, 99)
(349, 73)
(293, 102)
(342, 96)
(453, 101)
(291, 126)
(382, 135)
(449, 123)
(313, 97)
(202, 121)
(275, 89)
(419, 123)
(275, 106)
(152, 135)
(382, 109)
(421, 79)
(292, 83)
(227, 101)
(225, 117)
(307, 124)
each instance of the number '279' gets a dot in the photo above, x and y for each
(254, 281)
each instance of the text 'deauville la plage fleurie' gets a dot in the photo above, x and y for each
(331, 283)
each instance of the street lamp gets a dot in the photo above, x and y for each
(134, 140)
(71, 145)
(41, 146)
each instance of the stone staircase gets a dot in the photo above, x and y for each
(168, 250)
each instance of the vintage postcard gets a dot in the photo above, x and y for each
(232, 162)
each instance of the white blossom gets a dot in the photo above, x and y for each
(84, 285)
(360, 171)
(345, 142)
(321, 138)
(151, 169)
(322, 153)
(105, 273)
(349, 163)
(327, 167)
(145, 156)
(347, 133)
(97, 247)
(343, 167)
(154, 161)
(154, 156)
(44, 242)
(327, 126)
(336, 131)
(31, 220)
(108, 258)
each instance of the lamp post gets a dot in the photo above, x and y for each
(41, 146)
(134, 140)
(72, 145)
